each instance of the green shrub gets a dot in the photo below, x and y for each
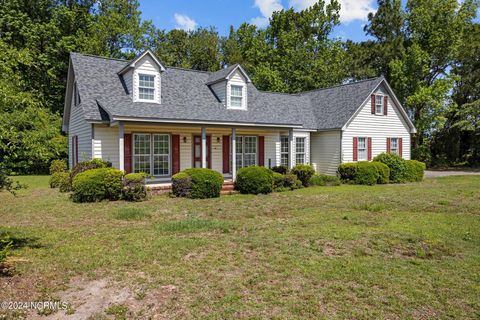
(396, 164)
(58, 178)
(367, 173)
(278, 181)
(197, 183)
(97, 184)
(303, 172)
(254, 180)
(347, 171)
(134, 187)
(324, 180)
(58, 166)
(88, 165)
(280, 169)
(181, 184)
(415, 170)
(383, 172)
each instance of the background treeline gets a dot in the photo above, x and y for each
(429, 50)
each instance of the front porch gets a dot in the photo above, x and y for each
(163, 150)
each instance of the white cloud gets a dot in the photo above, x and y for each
(350, 9)
(266, 7)
(184, 22)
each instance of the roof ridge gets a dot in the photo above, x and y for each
(187, 69)
(283, 93)
(343, 85)
(100, 57)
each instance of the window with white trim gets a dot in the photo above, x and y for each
(236, 96)
(378, 104)
(151, 153)
(299, 150)
(362, 149)
(146, 87)
(246, 151)
(284, 146)
(394, 145)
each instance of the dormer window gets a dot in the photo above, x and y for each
(146, 87)
(236, 96)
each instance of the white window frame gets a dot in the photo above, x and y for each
(379, 100)
(365, 149)
(148, 88)
(300, 153)
(240, 142)
(283, 152)
(151, 154)
(396, 149)
(242, 97)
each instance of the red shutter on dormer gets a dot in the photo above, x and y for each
(388, 145)
(127, 152)
(373, 104)
(369, 149)
(400, 147)
(355, 148)
(385, 105)
(261, 151)
(175, 153)
(226, 154)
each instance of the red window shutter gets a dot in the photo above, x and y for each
(388, 145)
(76, 149)
(369, 149)
(400, 147)
(355, 148)
(127, 152)
(226, 154)
(385, 105)
(175, 153)
(373, 104)
(261, 151)
(209, 152)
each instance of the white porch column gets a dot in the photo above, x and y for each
(121, 150)
(204, 147)
(234, 153)
(291, 152)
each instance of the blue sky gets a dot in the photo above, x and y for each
(188, 14)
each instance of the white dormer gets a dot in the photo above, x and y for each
(230, 87)
(142, 77)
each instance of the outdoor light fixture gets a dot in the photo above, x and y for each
(218, 139)
(184, 139)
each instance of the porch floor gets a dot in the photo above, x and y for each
(165, 187)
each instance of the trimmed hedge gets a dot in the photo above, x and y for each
(383, 172)
(134, 187)
(88, 165)
(347, 171)
(58, 166)
(59, 178)
(365, 173)
(284, 182)
(324, 180)
(398, 167)
(97, 184)
(254, 180)
(278, 181)
(415, 170)
(197, 183)
(303, 172)
(280, 169)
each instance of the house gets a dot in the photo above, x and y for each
(146, 117)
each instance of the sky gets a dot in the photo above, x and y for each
(221, 14)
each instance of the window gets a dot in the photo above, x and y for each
(151, 153)
(362, 149)
(236, 96)
(378, 104)
(299, 150)
(146, 87)
(394, 145)
(284, 150)
(246, 151)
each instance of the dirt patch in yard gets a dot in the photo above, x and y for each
(106, 299)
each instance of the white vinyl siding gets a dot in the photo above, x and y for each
(325, 151)
(128, 80)
(220, 89)
(105, 144)
(146, 66)
(79, 127)
(365, 124)
(272, 149)
(237, 81)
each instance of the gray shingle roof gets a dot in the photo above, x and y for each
(220, 74)
(185, 96)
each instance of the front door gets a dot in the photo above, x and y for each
(197, 152)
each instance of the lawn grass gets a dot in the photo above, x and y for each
(398, 251)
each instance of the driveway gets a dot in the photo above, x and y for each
(435, 174)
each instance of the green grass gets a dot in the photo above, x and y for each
(396, 251)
